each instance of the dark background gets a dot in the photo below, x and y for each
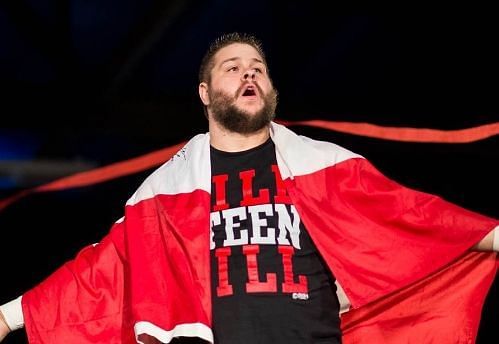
(87, 83)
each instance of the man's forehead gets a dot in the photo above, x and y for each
(237, 51)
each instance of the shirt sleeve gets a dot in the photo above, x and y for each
(13, 313)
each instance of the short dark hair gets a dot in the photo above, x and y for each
(221, 42)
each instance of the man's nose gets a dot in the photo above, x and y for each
(249, 75)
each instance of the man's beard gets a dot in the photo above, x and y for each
(233, 119)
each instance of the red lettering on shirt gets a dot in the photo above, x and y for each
(289, 286)
(282, 194)
(247, 188)
(254, 285)
(220, 182)
(224, 288)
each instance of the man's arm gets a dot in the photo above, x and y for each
(4, 329)
(490, 242)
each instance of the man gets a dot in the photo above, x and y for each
(252, 234)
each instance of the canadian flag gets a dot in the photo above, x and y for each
(400, 256)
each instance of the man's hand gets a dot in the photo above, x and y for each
(4, 329)
(487, 243)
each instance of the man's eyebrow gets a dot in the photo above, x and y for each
(254, 59)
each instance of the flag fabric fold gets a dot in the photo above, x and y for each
(400, 255)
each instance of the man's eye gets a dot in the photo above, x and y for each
(258, 70)
(232, 69)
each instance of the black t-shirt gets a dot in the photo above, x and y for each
(269, 283)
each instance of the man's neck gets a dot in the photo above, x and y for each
(228, 141)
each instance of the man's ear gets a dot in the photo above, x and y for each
(203, 93)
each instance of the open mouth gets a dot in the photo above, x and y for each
(248, 92)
